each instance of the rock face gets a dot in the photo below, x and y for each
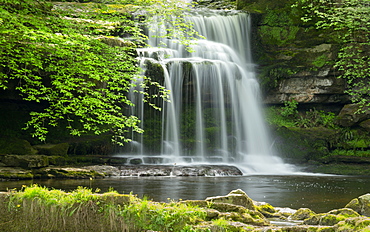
(311, 89)
(294, 59)
(361, 205)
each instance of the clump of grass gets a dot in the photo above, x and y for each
(159, 216)
(37, 208)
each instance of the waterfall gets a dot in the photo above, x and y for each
(214, 110)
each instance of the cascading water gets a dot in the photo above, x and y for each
(214, 113)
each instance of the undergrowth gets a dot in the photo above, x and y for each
(289, 116)
(37, 208)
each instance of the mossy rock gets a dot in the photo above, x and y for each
(361, 205)
(331, 218)
(25, 161)
(235, 197)
(354, 224)
(302, 214)
(269, 211)
(60, 149)
(302, 144)
(68, 173)
(14, 146)
(345, 212)
(15, 173)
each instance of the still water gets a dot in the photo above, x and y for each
(320, 193)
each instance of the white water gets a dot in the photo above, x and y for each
(218, 83)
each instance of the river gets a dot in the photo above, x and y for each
(320, 193)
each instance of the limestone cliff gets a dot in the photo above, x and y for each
(294, 59)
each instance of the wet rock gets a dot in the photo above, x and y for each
(177, 170)
(136, 161)
(361, 205)
(105, 170)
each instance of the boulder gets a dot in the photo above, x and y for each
(235, 197)
(302, 214)
(346, 212)
(25, 161)
(361, 205)
(350, 116)
(15, 173)
(60, 149)
(14, 146)
(365, 124)
(353, 224)
(332, 217)
(323, 219)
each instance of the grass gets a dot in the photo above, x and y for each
(37, 208)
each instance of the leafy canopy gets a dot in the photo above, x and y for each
(348, 21)
(61, 55)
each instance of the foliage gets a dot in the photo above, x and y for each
(173, 216)
(339, 152)
(60, 57)
(288, 116)
(109, 211)
(348, 22)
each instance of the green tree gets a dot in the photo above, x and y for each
(57, 55)
(348, 22)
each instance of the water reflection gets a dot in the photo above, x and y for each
(320, 193)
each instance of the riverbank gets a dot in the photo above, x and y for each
(36, 208)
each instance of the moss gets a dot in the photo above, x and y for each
(279, 36)
(266, 208)
(16, 176)
(320, 61)
(15, 146)
(303, 213)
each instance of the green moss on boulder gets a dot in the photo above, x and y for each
(60, 149)
(14, 146)
(361, 205)
(302, 213)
